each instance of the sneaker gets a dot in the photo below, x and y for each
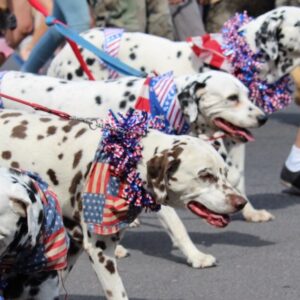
(290, 179)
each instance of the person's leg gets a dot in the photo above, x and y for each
(187, 19)
(159, 20)
(290, 173)
(46, 45)
(76, 13)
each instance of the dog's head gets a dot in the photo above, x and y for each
(186, 171)
(277, 35)
(220, 101)
(20, 211)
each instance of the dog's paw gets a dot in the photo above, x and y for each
(136, 223)
(258, 215)
(121, 252)
(202, 260)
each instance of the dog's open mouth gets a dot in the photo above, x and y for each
(215, 219)
(234, 131)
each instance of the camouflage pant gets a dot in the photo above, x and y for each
(220, 12)
(150, 16)
(288, 2)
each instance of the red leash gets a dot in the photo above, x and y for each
(36, 106)
(93, 123)
(38, 6)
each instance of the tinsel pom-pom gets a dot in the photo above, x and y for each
(246, 67)
(121, 145)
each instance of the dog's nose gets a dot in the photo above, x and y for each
(262, 119)
(238, 202)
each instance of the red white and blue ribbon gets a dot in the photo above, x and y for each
(112, 40)
(159, 98)
(229, 51)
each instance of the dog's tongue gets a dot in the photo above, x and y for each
(212, 218)
(234, 130)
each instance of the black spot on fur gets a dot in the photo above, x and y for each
(132, 56)
(224, 156)
(110, 267)
(178, 54)
(40, 218)
(52, 176)
(98, 100)
(131, 97)
(122, 104)
(69, 76)
(90, 61)
(79, 72)
(49, 89)
(130, 83)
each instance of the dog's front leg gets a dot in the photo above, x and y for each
(178, 233)
(237, 157)
(101, 251)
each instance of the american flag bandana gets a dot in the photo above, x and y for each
(1, 76)
(114, 194)
(50, 251)
(159, 97)
(104, 207)
(112, 39)
(208, 48)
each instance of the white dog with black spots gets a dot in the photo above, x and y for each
(181, 171)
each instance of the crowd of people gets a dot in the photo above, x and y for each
(23, 29)
(172, 19)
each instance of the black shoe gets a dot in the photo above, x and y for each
(290, 179)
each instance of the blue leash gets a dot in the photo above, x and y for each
(113, 62)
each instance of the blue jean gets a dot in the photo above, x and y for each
(73, 12)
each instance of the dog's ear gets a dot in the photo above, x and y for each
(267, 37)
(160, 170)
(18, 206)
(189, 98)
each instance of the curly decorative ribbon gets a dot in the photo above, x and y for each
(121, 146)
(246, 67)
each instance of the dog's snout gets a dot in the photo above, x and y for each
(238, 202)
(262, 119)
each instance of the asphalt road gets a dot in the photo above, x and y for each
(256, 261)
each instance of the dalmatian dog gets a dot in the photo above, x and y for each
(211, 101)
(22, 228)
(167, 169)
(276, 34)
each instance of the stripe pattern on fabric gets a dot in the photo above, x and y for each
(159, 97)
(104, 205)
(50, 251)
(112, 40)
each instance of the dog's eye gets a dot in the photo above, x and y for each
(233, 97)
(207, 177)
